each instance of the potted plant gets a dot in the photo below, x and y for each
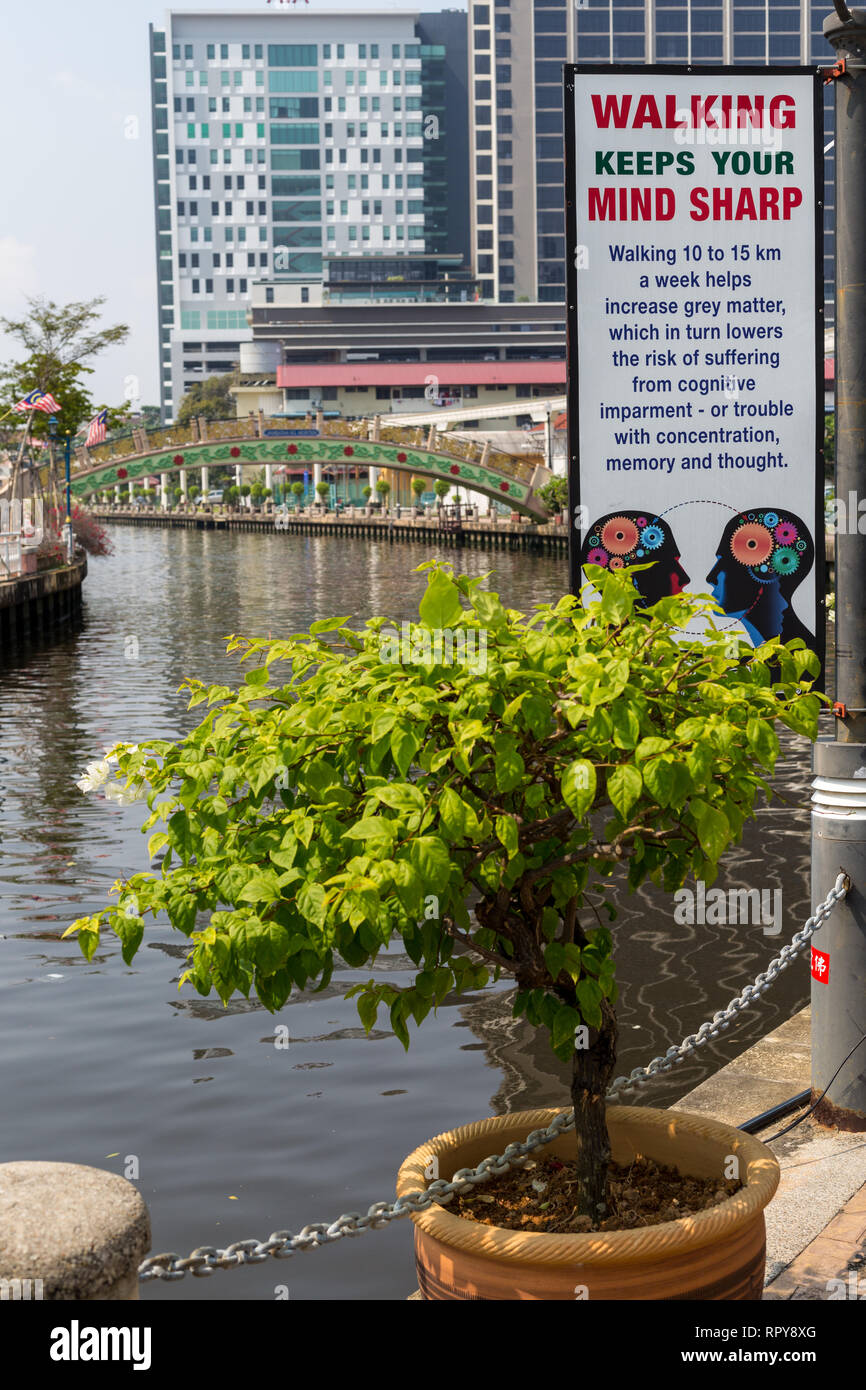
(195, 493)
(298, 493)
(442, 489)
(554, 495)
(342, 796)
(383, 487)
(245, 492)
(323, 491)
(419, 487)
(367, 493)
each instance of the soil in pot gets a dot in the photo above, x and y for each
(540, 1197)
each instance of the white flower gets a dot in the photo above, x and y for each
(125, 796)
(94, 776)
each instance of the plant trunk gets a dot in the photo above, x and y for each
(592, 1069)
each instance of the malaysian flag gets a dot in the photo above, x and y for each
(96, 431)
(37, 400)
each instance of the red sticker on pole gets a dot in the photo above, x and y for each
(820, 965)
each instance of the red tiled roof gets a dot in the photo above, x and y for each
(416, 374)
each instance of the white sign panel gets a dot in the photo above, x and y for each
(695, 361)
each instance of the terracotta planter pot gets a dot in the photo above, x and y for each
(715, 1255)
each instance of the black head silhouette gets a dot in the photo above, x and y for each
(762, 556)
(637, 538)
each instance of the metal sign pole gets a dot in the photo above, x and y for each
(839, 801)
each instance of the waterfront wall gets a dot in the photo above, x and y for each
(499, 535)
(34, 605)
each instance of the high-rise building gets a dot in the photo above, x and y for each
(281, 136)
(517, 49)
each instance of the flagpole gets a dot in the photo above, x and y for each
(17, 466)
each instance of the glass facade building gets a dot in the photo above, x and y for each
(269, 154)
(521, 252)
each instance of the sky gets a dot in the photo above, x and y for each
(77, 218)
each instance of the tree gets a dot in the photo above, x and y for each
(210, 399)
(194, 491)
(442, 489)
(59, 340)
(297, 491)
(346, 793)
(323, 490)
(367, 492)
(554, 495)
(419, 487)
(64, 333)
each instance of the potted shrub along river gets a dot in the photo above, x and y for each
(478, 795)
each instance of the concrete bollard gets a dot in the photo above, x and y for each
(75, 1233)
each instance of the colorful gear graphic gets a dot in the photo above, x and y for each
(785, 533)
(616, 562)
(619, 535)
(785, 561)
(770, 519)
(597, 557)
(652, 537)
(641, 523)
(751, 544)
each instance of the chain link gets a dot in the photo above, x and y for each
(281, 1245)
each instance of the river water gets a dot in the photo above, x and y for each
(231, 1136)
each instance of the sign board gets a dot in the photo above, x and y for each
(695, 336)
(293, 434)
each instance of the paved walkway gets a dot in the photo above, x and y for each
(816, 1223)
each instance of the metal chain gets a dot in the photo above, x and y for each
(281, 1245)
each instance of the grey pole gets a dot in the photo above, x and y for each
(839, 763)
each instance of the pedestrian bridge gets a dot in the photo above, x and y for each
(313, 443)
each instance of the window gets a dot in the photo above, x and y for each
(305, 295)
(230, 286)
(211, 51)
(211, 104)
(293, 82)
(245, 50)
(194, 286)
(258, 52)
(225, 106)
(341, 50)
(362, 50)
(175, 52)
(295, 135)
(190, 318)
(224, 51)
(181, 260)
(294, 55)
(395, 50)
(187, 51)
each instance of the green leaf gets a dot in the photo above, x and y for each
(429, 856)
(368, 1008)
(624, 786)
(578, 786)
(509, 765)
(714, 831)
(626, 725)
(404, 745)
(506, 834)
(440, 607)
